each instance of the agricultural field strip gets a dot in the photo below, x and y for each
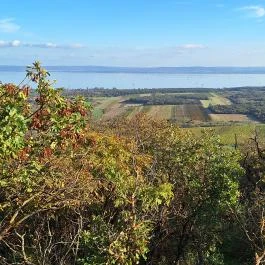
(228, 133)
(215, 99)
(229, 117)
(161, 111)
(113, 106)
(105, 107)
(110, 107)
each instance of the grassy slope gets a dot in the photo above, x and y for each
(160, 112)
(110, 107)
(229, 117)
(227, 133)
(215, 99)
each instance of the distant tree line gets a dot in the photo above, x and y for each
(244, 101)
(168, 99)
(114, 92)
(245, 88)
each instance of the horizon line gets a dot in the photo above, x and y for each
(142, 67)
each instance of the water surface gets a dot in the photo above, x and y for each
(143, 80)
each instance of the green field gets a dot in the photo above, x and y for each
(106, 108)
(215, 99)
(230, 133)
(195, 114)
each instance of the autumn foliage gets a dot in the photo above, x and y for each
(127, 192)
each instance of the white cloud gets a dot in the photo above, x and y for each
(14, 43)
(2, 43)
(55, 45)
(8, 26)
(51, 45)
(254, 11)
(17, 43)
(40, 45)
(192, 46)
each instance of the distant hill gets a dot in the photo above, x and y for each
(144, 70)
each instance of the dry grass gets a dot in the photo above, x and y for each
(195, 113)
(113, 111)
(229, 117)
(178, 113)
(242, 132)
(188, 112)
(114, 106)
(160, 112)
(134, 110)
(215, 99)
(104, 102)
(111, 107)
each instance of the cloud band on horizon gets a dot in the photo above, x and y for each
(17, 43)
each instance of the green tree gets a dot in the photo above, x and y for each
(69, 194)
(250, 215)
(205, 177)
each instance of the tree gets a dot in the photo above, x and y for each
(34, 138)
(251, 213)
(68, 194)
(204, 175)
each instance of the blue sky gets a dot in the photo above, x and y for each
(133, 32)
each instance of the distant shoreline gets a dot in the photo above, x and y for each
(142, 70)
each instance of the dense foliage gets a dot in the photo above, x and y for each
(168, 99)
(244, 101)
(114, 92)
(125, 192)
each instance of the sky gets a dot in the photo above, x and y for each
(133, 32)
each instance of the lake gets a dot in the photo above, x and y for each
(143, 80)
